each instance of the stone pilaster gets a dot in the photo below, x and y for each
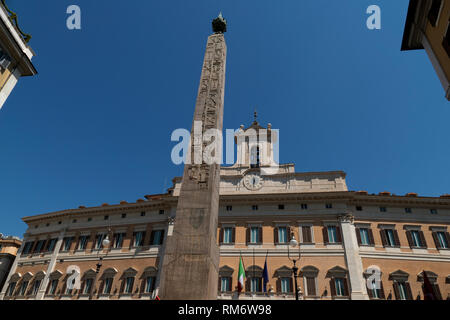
(51, 266)
(354, 263)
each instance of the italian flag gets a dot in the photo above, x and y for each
(241, 275)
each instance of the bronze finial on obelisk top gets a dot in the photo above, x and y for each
(219, 24)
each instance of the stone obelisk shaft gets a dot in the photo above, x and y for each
(191, 258)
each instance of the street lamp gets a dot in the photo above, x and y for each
(293, 243)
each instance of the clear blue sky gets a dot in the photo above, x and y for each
(94, 125)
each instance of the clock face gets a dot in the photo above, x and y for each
(253, 181)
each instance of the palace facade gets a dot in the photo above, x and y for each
(344, 236)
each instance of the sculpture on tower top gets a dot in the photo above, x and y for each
(219, 24)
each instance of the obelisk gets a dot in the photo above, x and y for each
(191, 256)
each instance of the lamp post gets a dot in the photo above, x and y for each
(293, 243)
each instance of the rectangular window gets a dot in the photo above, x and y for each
(138, 239)
(285, 285)
(36, 285)
(332, 234)
(157, 237)
(39, 246)
(27, 247)
(358, 208)
(408, 210)
(340, 289)
(99, 241)
(229, 208)
(51, 245)
(254, 207)
(282, 235)
(281, 207)
(53, 286)
(255, 284)
(416, 238)
(446, 41)
(129, 284)
(433, 211)
(227, 235)
(107, 285)
(224, 284)
(149, 283)
(390, 237)
(441, 236)
(161, 211)
(67, 242)
(304, 206)
(88, 286)
(383, 209)
(254, 234)
(328, 206)
(364, 234)
(82, 242)
(118, 240)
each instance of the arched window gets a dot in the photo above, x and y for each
(254, 279)
(148, 280)
(402, 289)
(226, 279)
(338, 282)
(284, 282)
(107, 279)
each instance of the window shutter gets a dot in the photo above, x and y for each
(369, 291)
(332, 287)
(152, 237)
(306, 233)
(396, 292)
(338, 234)
(247, 285)
(437, 292)
(275, 235)
(422, 239)
(397, 241)
(447, 236)
(371, 241)
(436, 240)
(143, 282)
(247, 235)
(346, 292)
(102, 285)
(260, 234)
(291, 285)
(358, 235)
(381, 291)
(278, 285)
(161, 239)
(221, 235)
(83, 284)
(233, 234)
(49, 284)
(143, 238)
(122, 285)
(230, 284)
(325, 235)
(311, 284)
(409, 237)
(383, 237)
(408, 291)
